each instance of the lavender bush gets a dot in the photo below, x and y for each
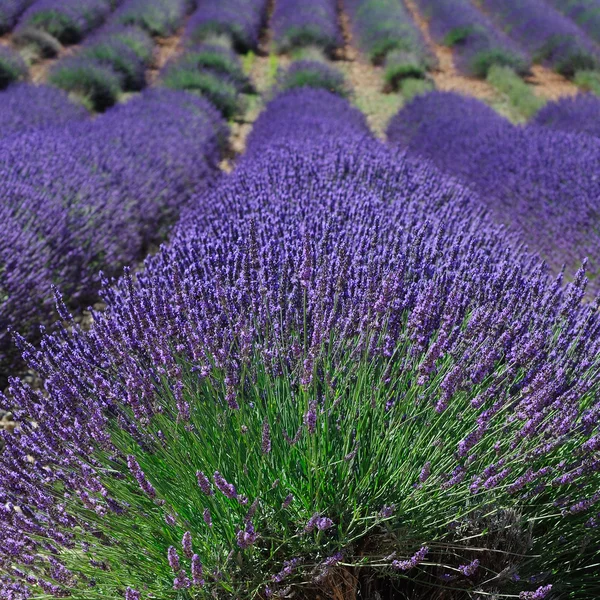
(211, 71)
(313, 74)
(339, 375)
(157, 17)
(586, 13)
(580, 114)
(540, 182)
(547, 35)
(381, 26)
(10, 10)
(66, 20)
(94, 81)
(12, 67)
(477, 44)
(26, 108)
(240, 19)
(95, 195)
(311, 23)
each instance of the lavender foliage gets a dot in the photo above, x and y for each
(381, 26)
(94, 81)
(242, 20)
(26, 108)
(310, 23)
(157, 17)
(548, 36)
(540, 182)
(211, 71)
(332, 281)
(476, 43)
(12, 67)
(69, 21)
(95, 195)
(580, 114)
(313, 74)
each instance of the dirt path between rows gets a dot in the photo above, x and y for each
(164, 50)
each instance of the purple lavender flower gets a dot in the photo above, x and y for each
(197, 571)
(425, 472)
(131, 594)
(470, 569)
(181, 581)
(228, 489)
(186, 544)
(387, 511)
(207, 517)
(247, 536)
(137, 472)
(204, 483)
(310, 417)
(541, 593)
(173, 559)
(411, 563)
(266, 438)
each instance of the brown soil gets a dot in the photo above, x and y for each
(446, 77)
(165, 49)
(550, 85)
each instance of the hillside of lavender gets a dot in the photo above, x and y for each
(300, 299)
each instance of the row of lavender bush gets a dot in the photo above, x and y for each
(95, 195)
(477, 44)
(69, 21)
(586, 13)
(209, 65)
(242, 20)
(548, 36)
(385, 31)
(339, 377)
(116, 58)
(580, 114)
(310, 23)
(540, 182)
(10, 11)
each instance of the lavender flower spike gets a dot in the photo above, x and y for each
(405, 565)
(137, 472)
(228, 489)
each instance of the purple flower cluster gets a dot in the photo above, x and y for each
(538, 181)
(586, 13)
(309, 23)
(477, 44)
(319, 254)
(242, 20)
(580, 114)
(95, 195)
(69, 21)
(548, 36)
(12, 67)
(382, 26)
(26, 108)
(10, 10)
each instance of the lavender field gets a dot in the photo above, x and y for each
(300, 299)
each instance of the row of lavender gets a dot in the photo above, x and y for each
(338, 373)
(540, 182)
(90, 195)
(116, 58)
(208, 64)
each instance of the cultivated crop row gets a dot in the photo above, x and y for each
(538, 181)
(93, 196)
